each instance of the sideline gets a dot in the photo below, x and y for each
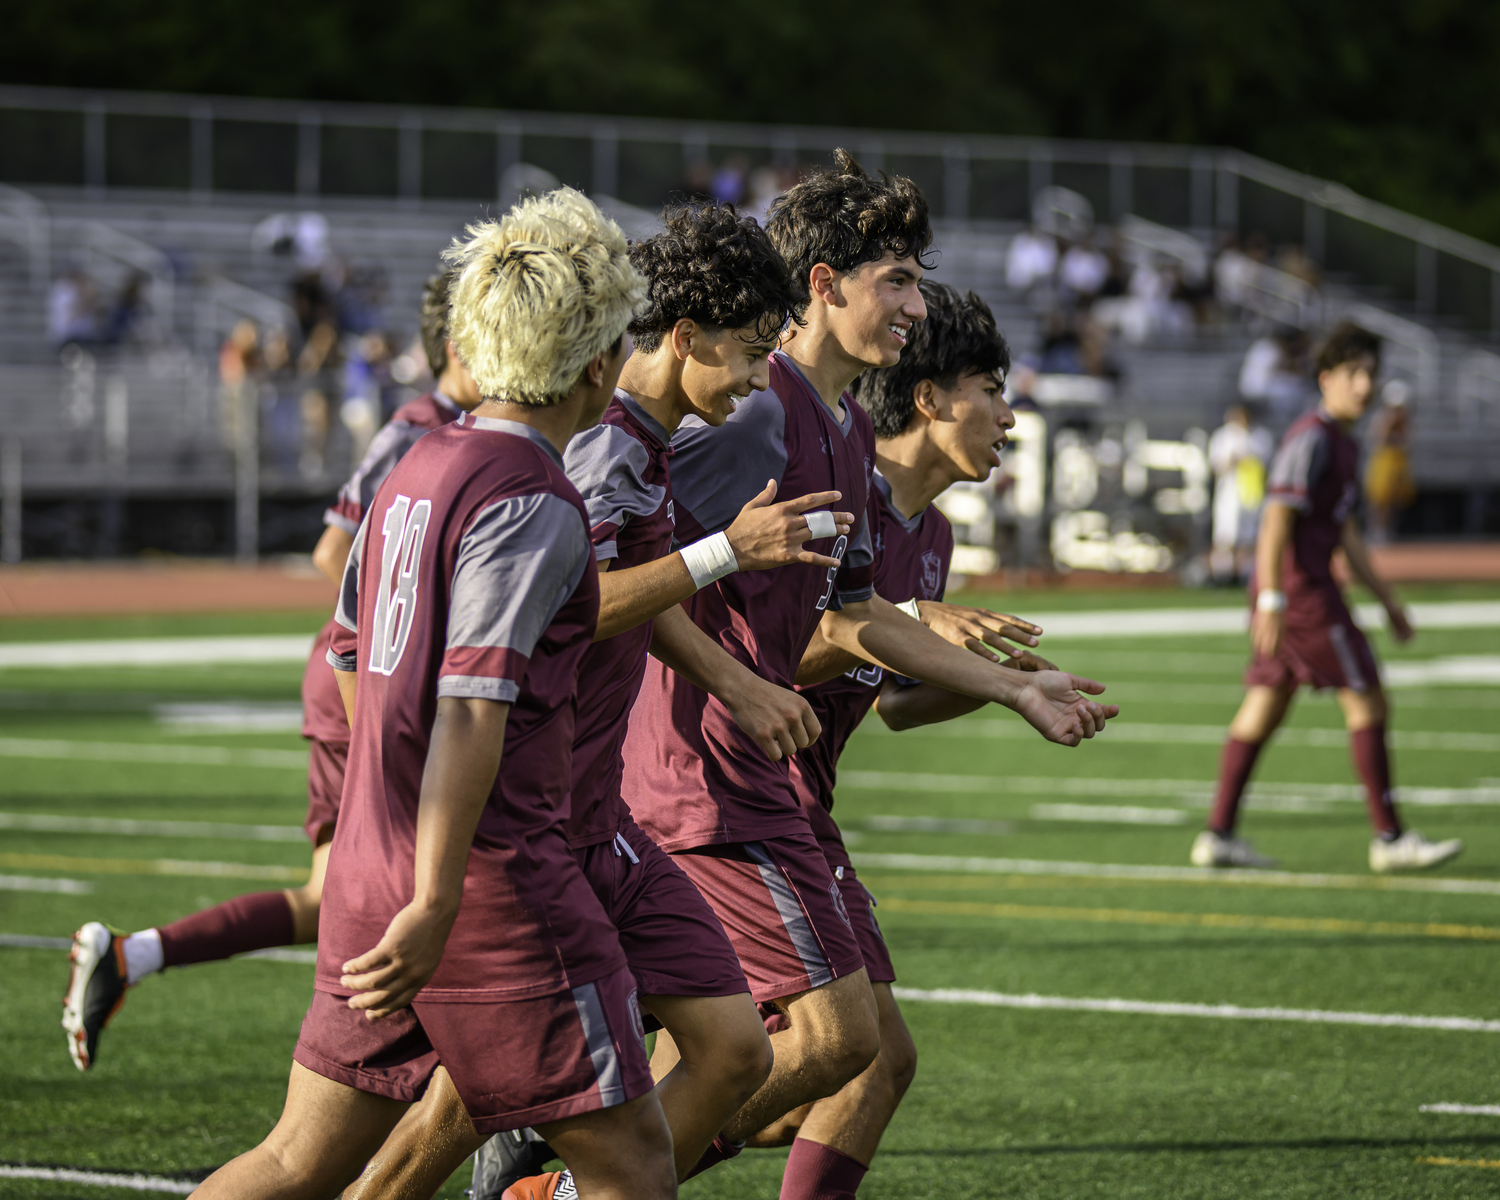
(135, 1183)
(1222, 1012)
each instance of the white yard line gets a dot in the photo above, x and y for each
(1222, 1012)
(192, 756)
(44, 823)
(1113, 814)
(136, 1183)
(29, 883)
(949, 863)
(158, 652)
(1125, 730)
(1470, 1110)
(1179, 622)
(23, 941)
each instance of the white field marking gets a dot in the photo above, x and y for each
(1453, 669)
(136, 752)
(1115, 814)
(158, 652)
(285, 955)
(1211, 875)
(1222, 1012)
(1179, 622)
(191, 869)
(24, 941)
(883, 824)
(1283, 797)
(1125, 691)
(43, 823)
(1469, 1110)
(134, 1183)
(273, 716)
(1208, 735)
(29, 883)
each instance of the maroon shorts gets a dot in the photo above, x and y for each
(672, 940)
(857, 899)
(515, 1063)
(1335, 655)
(325, 786)
(782, 909)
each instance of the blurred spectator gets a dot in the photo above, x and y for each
(239, 358)
(367, 380)
(130, 313)
(300, 236)
(70, 309)
(1237, 454)
(1083, 271)
(317, 363)
(698, 183)
(1295, 263)
(1389, 486)
(1276, 370)
(766, 184)
(1062, 351)
(1031, 259)
(729, 180)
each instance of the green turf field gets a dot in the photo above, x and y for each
(1008, 1101)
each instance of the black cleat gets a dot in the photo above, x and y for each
(506, 1158)
(96, 990)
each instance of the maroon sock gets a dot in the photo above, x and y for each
(818, 1172)
(254, 922)
(1367, 749)
(719, 1151)
(1235, 766)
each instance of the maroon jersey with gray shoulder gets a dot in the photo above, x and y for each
(322, 709)
(1316, 472)
(472, 576)
(620, 468)
(911, 563)
(692, 777)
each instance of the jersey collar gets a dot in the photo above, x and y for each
(515, 428)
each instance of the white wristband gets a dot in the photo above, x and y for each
(821, 525)
(1270, 601)
(910, 609)
(710, 559)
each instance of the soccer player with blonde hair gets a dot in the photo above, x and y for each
(457, 925)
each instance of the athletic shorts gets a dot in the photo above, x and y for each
(782, 909)
(672, 940)
(858, 902)
(1330, 656)
(515, 1063)
(325, 787)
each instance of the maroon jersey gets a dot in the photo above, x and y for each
(911, 563)
(692, 777)
(471, 576)
(323, 716)
(1315, 471)
(620, 469)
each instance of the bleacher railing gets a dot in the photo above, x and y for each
(212, 146)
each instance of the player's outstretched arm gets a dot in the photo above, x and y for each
(911, 705)
(780, 721)
(1050, 700)
(763, 535)
(462, 761)
(988, 634)
(1276, 522)
(1360, 566)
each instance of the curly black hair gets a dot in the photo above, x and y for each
(1347, 343)
(958, 338)
(434, 321)
(845, 218)
(716, 268)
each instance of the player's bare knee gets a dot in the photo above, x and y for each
(746, 1054)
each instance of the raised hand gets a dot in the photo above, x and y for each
(1054, 705)
(1401, 626)
(777, 718)
(389, 976)
(766, 534)
(979, 629)
(1025, 660)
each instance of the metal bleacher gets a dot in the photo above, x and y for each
(174, 188)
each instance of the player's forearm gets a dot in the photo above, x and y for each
(823, 660)
(457, 781)
(629, 596)
(881, 633)
(1270, 544)
(691, 653)
(1360, 566)
(921, 704)
(347, 681)
(332, 552)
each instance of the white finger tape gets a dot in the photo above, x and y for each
(821, 525)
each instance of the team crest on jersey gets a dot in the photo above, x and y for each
(932, 574)
(838, 904)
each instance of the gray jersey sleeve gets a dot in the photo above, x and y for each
(517, 564)
(1297, 467)
(608, 467)
(341, 649)
(387, 448)
(716, 471)
(856, 577)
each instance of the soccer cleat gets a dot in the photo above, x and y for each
(96, 990)
(506, 1158)
(1411, 852)
(1212, 849)
(554, 1185)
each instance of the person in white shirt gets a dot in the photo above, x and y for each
(1238, 453)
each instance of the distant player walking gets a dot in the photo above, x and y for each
(1302, 631)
